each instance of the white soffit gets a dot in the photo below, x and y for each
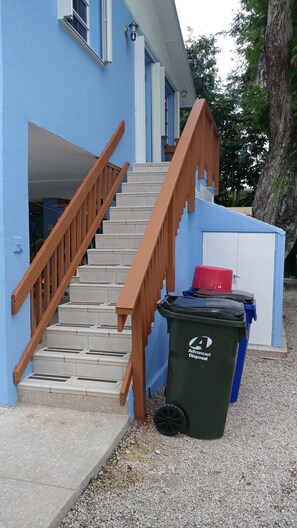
(159, 23)
(56, 167)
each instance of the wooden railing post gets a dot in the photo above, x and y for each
(170, 276)
(138, 369)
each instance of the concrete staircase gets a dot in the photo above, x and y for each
(82, 360)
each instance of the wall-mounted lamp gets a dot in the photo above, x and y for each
(183, 93)
(132, 30)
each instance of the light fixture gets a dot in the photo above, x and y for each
(184, 93)
(132, 29)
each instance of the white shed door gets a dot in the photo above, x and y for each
(251, 257)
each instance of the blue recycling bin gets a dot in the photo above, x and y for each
(250, 312)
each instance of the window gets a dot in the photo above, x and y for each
(90, 23)
(80, 16)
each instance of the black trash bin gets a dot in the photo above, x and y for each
(203, 344)
(249, 304)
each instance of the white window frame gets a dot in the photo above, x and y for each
(86, 24)
(65, 15)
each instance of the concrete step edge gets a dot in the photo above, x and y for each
(61, 355)
(119, 251)
(88, 329)
(72, 384)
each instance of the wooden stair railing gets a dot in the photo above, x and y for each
(155, 258)
(55, 264)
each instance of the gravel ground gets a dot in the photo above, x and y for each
(246, 479)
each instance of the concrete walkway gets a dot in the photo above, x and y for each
(47, 456)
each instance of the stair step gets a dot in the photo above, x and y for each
(130, 213)
(94, 292)
(81, 363)
(114, 241)
(85, 313)
(120, 257)
(150, 167)
(104, 274)
(85, 336)
(133, 199)
(72, 392)
(145, 177)
(150, 186)
(124, 226)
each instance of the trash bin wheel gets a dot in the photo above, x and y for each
(169, 419)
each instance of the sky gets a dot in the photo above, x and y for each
(207, 17)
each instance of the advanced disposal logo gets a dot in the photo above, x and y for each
(198, 348)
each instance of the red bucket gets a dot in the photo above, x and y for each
(212, 278)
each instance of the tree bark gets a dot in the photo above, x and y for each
(276, 195)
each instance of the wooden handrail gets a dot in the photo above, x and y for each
(55, 264)
(154, 261)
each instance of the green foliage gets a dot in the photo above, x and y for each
(249, 32)
(202, 54)
(243, 142)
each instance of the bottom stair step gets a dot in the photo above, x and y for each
(73, 392)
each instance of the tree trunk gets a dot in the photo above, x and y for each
(276, 195)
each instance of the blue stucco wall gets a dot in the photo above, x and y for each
(52, 82)
(187, 255)
(47, 79)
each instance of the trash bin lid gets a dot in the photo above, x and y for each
(233, 295)
(205, 307)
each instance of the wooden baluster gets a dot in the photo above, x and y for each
(46, 286)
(97, 194)
(170, 278)
(54, 267)
(104, 182)
(67, 249)
(61, 267)
(107, 178)
(83, 220)
(202, 140)
(138, 367)
(38, 299)
(32, 311)
(148, 305)
(89, 212)
(93, 202)
(210, 155)
(110, 176)
(73, 239)
(78, 229)
(191, 199)
(217, 164)
(113, 176)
